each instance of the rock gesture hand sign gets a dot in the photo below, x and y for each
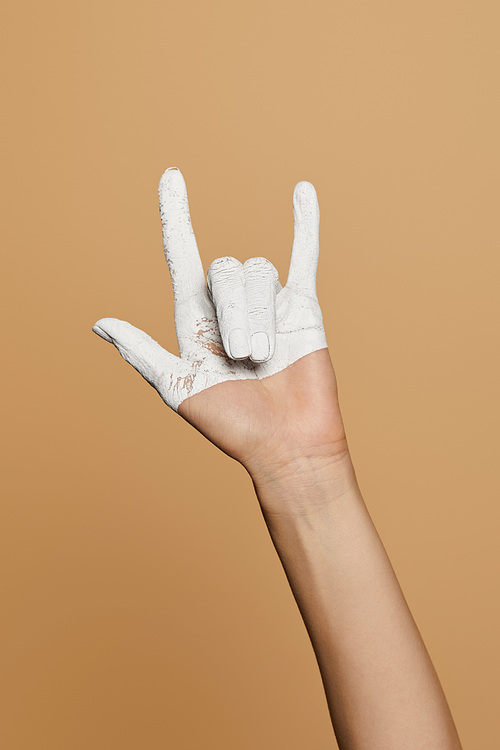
(239, 334)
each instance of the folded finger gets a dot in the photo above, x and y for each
(261, 286)
(226, 285)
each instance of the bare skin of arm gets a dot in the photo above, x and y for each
(382, 690)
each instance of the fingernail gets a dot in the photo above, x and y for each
(102, 334)
(260, 346)
(238, 344)
(170, 168)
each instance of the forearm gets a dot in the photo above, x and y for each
(382, 690)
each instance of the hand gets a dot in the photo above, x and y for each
(254, 374)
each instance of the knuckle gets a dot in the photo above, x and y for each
(258, 263)
(227, 262)
(221, 270)
(261, 270)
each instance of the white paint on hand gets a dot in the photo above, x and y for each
(239, 324)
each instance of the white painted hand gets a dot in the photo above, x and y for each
(239, 325)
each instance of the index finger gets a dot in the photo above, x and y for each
(179, 242)
(305, 249)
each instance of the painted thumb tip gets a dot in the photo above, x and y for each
(100, 332)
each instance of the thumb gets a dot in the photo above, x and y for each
(145, 354)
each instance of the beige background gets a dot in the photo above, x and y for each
(143, 605)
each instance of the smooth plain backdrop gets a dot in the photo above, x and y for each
(142, 602)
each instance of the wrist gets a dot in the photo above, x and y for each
(304, 485)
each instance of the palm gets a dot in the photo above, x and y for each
(291, 414)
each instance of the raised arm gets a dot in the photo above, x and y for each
(382, 690)
(254, 375)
